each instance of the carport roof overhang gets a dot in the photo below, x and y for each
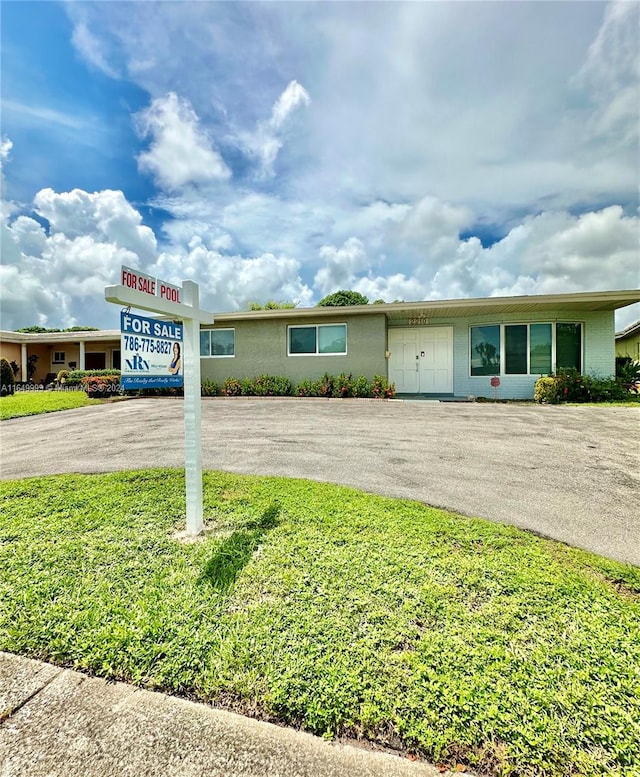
(457, 308)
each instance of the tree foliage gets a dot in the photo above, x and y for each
(343, 297)
(35, 330)
(271, 304)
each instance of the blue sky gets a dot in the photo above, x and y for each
(283, 150)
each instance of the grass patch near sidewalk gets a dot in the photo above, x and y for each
(24, 403)
(335, 611)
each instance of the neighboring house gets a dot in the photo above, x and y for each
(441, 347)
(628, 342)
(92, 350)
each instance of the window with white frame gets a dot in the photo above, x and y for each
(317, 340)
(524, 349)
(58, 357)
(218, 342)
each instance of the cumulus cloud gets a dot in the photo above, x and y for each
(105, 216)
(230, 282)
(56, 276)
(181, 151)
(340, 266)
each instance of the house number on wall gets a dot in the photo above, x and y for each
(420, 321)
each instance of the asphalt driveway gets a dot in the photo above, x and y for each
(571, 473)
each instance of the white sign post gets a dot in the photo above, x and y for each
(146, 293)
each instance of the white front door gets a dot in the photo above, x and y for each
(421, 360)
(403, 362)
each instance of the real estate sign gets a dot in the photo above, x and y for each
(151, 352)
(150, 349)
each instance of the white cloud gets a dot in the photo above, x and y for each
(106, 216)
(90, 47)
(292, 97)
(611, 75)
(340, 266)
(5, 148)
(181, 151)
(6, 206)
(230, 282)
(265, 142)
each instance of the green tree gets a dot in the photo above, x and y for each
(36, 330)
(343, 297)
(271, 304)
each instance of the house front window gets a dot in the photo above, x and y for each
(485, 350)
(525, 349)
(58, 357)
(317, 340)
(218, 342)
(569, 347)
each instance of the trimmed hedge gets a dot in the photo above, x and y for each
(327, 386)
(74, 377)
(99, 386)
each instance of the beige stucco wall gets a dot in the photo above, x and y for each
(261, 348)
(11, 352)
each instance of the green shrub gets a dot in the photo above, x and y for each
(272, 386)
(546, 390)
(232, 387)
(62, 376)
(323, 387)
(74, 377)
(361, 387)
(605, 389)
(99, 386)
(343, 386)
(628, 373)
(571, 386)
(7, 378)
(381, 388)
(247, 389)
(306, 388)
(209, 388)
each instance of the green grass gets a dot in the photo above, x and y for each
(34, 402)
(335, 611)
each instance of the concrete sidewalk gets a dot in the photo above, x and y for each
(59, 723)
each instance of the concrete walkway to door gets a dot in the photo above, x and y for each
(570, 473)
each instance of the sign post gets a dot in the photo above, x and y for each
(141, 291)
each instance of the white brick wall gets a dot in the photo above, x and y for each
(598, 351)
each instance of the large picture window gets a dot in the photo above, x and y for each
(485, 350)
(218, 342)
(525, 349)
(569, 347)
(318, 339)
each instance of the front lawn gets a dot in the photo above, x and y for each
(339, 612)
(34, 402)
